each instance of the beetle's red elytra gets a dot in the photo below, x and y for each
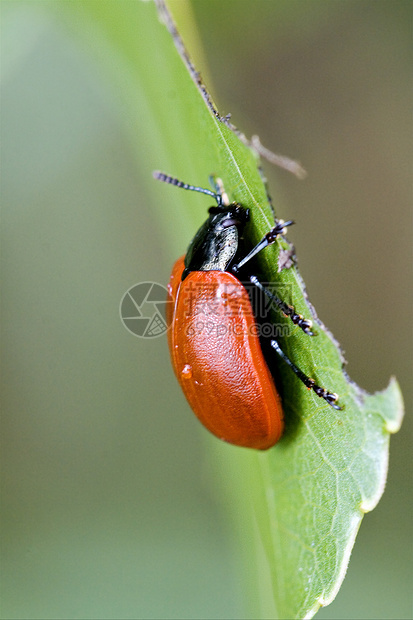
(218, 360)
(213, 337)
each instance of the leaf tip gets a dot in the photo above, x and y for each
(394, 395)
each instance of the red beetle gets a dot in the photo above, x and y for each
(213, 336)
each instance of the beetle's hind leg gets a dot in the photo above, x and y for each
(329, 397)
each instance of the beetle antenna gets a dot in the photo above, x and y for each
(219, 188)
(160, 176)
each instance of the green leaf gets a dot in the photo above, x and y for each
(309, 493)
(319, 485)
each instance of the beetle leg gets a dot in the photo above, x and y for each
(297, 319)
(268, 239)
(329, 397)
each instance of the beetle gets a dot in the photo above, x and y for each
(213, 338)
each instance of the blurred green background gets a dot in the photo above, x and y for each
(109, 503)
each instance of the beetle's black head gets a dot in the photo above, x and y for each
(216, 243)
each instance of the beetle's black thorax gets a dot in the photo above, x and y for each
(218, 241)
